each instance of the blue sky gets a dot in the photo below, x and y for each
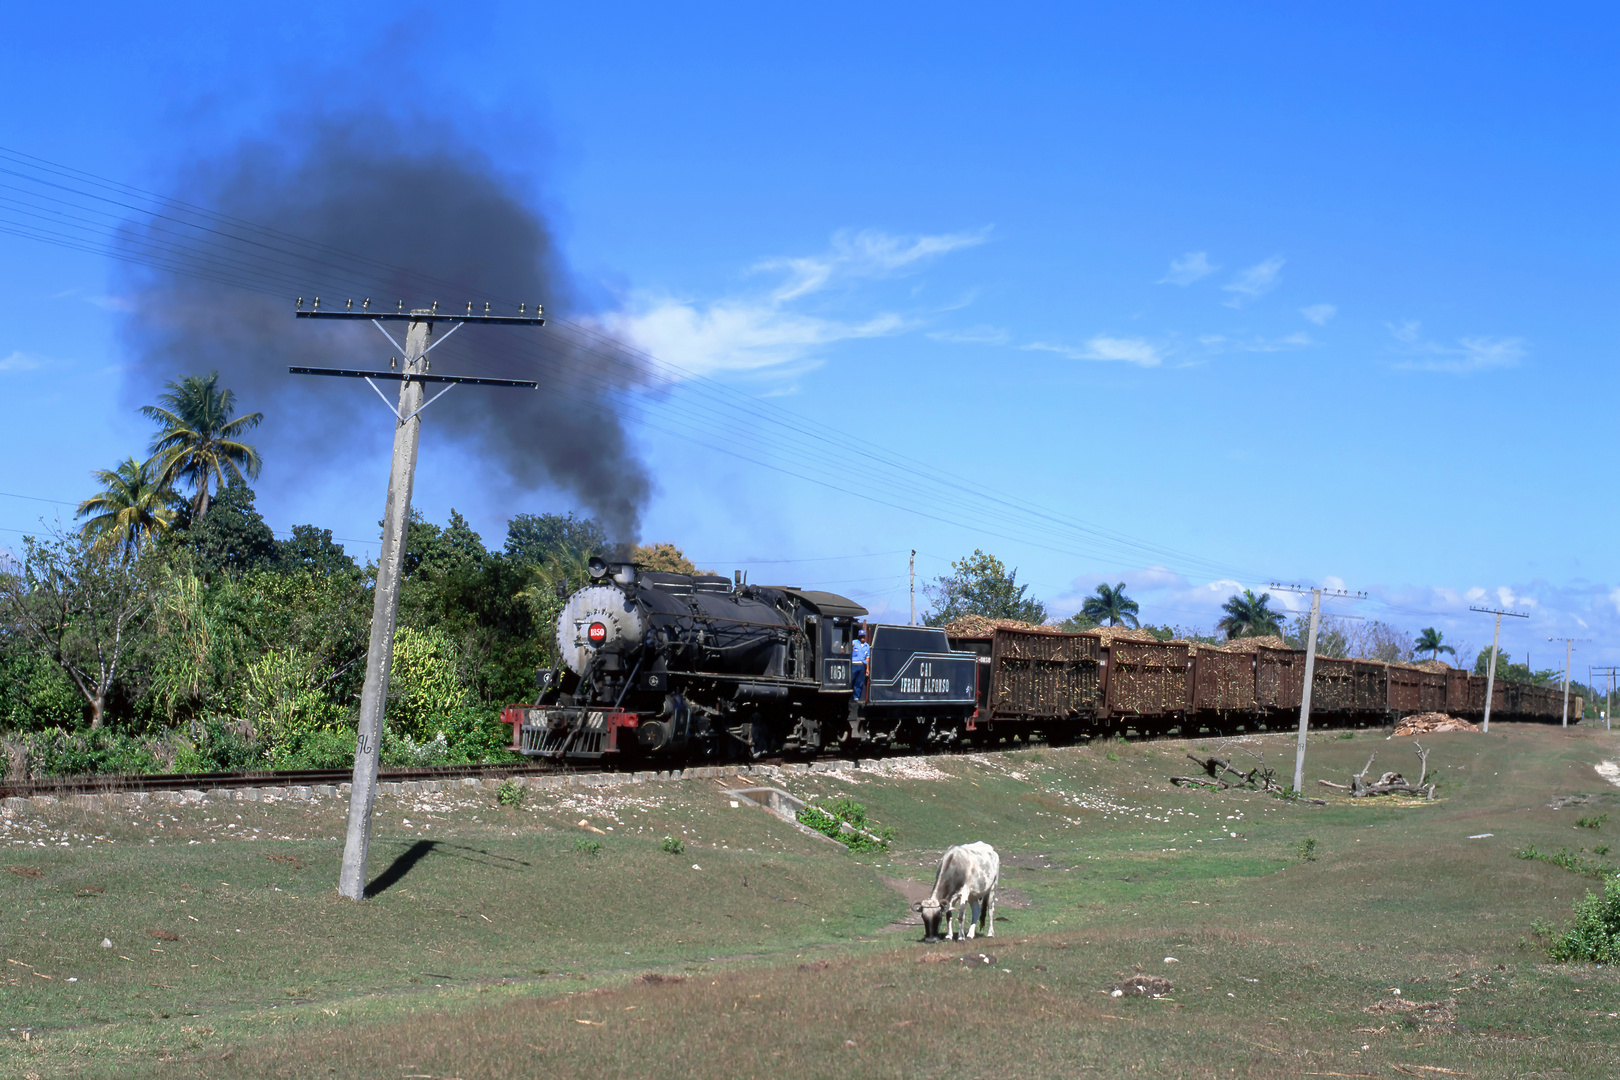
(1227, 294)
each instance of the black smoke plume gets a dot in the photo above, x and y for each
(398, 211)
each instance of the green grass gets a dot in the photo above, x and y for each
(760, 949)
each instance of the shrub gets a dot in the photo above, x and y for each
(1307, 849)
(403, 751)
(673, 846)
(218, 746)
(1592, 822)
(55, 752)
(1594, 935)
(510, 793)
(829, 821)
(586, 846)
(330, 749)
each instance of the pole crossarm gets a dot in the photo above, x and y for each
(1500, 611)
(401, 376)
(404, 314)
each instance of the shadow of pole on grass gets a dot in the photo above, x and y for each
(400, 867)
(421, 849)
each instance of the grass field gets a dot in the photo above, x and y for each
(500, 944)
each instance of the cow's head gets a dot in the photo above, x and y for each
(930, 909)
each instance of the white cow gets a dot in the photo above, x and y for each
(967, 879)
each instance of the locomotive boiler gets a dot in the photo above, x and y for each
(658, 664)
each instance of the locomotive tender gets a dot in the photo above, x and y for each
(661, 665)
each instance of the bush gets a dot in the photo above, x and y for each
(217, 746)
(55, 752)
(1592, 822)
(586, 846)
(330, 749)
(1307, 849)
(1595, 934)
(673, 846)
(510, 793)
(829, 821)
(403, 751)
(474, 735)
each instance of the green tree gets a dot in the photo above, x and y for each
(200, 438)
(1249, 616)
(1078, 622)
(1429, 641)
(1331, 640)
(132, 507)
(981, 584)
(81, 606)
(534, 538)
(1111, 603)
(234, 538)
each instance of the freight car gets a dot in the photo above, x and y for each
(1069, 685)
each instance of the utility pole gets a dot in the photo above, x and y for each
(1608, 697)
(913, 587)
(1310, 668)
(412, 376)
(1569, 648)
(1490, 669)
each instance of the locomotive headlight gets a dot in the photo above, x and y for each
(597, 567)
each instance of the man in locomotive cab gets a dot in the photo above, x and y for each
(859, 657)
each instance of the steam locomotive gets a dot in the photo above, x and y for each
(658, 665)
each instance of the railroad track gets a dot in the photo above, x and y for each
(107, 783)
(112, 783)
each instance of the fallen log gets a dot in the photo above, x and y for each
(1390, 783)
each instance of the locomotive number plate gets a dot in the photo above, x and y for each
(837, 671)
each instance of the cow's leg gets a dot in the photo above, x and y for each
(973, 918)
(990, 913)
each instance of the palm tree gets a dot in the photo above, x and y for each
(199, 437)
(1112, 604)
(132, 506)
(1249, 616)
(1430, 642)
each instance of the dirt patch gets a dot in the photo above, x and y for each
(653, 978)
(1140, 985)
(25, 871)
(1428, 1014)
(161, 934)
(946, 958)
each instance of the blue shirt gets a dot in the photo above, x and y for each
(861, 652)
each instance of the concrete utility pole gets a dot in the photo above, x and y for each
(412, 376)
(1310, 669)
(1490, 668)
(1569, 648)
(1608, 697)
(913, 586)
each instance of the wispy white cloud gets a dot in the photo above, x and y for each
(1137, 351)
(1286, 343)
(768, 330)
(864, 254)
(1319, 313)
(736, 335)
(1468, 355)
(20, 361)
(974, 335)
(1188, 269)
(1255, 282)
